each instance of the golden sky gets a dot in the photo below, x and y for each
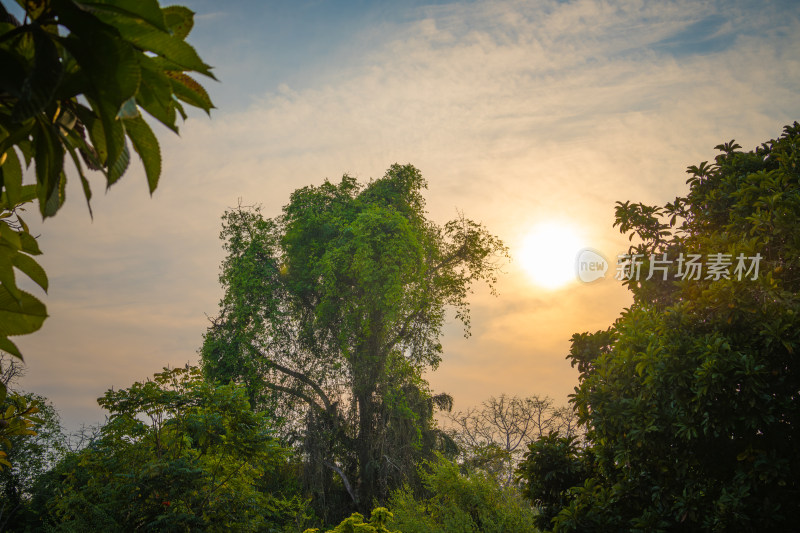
(516, 112)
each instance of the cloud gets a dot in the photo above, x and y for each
(514, 111)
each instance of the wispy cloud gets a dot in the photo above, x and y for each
(514, 111)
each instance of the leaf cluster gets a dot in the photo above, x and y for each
(76, 77)
(690, 398)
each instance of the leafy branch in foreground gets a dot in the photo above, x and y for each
(75, 77)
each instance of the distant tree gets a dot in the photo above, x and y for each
(495, 435)
(691, 397)
(177, 454)
(29, 454)
(336, 308)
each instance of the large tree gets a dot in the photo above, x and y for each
(337, 307)
(691, 397)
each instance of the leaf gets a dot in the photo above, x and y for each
(9, 347)
(188, 90)
(151, 39)
(9, 238)
(20, 318)
(11, 179)
(49, 159)
(28, 244)
(58, 195)
(179, 19)
(75, 140)
(109, 62)
(31, 268)
(113, 132)
(118, 168)
(7, 279)
(155, 95)
(94, 126)
(146, 10)
(146, 145)
(39, 86)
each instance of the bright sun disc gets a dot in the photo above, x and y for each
(548, 254)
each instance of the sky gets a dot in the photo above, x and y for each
(518, 113)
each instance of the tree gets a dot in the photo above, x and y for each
(460, 501)
(355, 523)
(31, 450)
(336, 308)
(553, 465)
(177, 454)
(29, 457)
(76, 76)
(495, 435)
(691, 396)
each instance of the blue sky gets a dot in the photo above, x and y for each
(517, 112)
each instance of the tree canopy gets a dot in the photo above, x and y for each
(336, 307)
(177, 454)
(690, 397)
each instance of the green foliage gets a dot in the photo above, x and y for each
(17, 419)
(691, 397)
(30, 455)
(334, 310)
(177, 454)
(76, 76)
(460, 502)
(355, 523)
(552, 466)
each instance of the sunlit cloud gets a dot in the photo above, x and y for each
(516, 112)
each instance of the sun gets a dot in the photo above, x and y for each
(548, 253)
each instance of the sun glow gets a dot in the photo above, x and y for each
(548, 254)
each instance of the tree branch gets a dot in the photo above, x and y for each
(345, 481)
(304, 379)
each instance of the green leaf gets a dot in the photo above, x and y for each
(99, 153)
(75, 140)
(179, 19)
(18, 137)
(113, 132)
(151, 39)
(155, 95)
(57, 196)
(20, 317)
(29, 244)
(7, 278)
(146, 145)
(119, 167)
(188, 90)
(11, 179)
(38, 88)
(31, 268)
(9, 238)
(146, 10)
(9, 347)
(109, 62)
(49, 159)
